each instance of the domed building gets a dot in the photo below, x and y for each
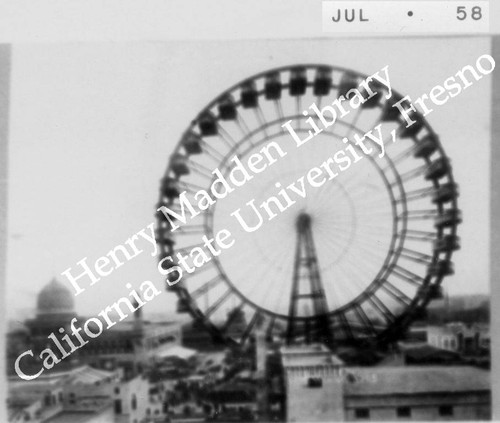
(55, 300)
(130, 344)
(55, 309)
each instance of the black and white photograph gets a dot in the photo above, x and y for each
(250, 229)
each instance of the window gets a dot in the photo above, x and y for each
(117, 390)
(118, 406)
(446, 410)
(315, 382)
(362, 413)
(403, 411)
(134, 402)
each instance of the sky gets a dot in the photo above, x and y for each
(92, 127)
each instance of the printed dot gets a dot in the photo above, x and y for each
(410, 13)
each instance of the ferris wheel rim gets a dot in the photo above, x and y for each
(419, 301)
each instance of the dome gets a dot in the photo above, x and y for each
(55, 298)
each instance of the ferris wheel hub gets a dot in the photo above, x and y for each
(303, 221)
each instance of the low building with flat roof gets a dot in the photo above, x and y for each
(319, 387)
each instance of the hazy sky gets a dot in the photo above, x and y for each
(92, 127)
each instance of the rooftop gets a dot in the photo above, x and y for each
(361, 381)
(176, 351)
(84, 375)
(309, 355)
(85, 410)
(130, 325)
(425, 351)
(304, 349)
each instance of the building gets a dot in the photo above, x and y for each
(468, 340)
(319, 387)
(417, 393)
(425, 354)
(313, 382)
(234, 401)
(79, 395)
(131, 344)
(74, 395)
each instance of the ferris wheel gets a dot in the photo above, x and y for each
(357, 260)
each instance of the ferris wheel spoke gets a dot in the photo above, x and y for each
(401, 156)
(226, 137)
(352, 280)
(381, 308)
(190, 187)
(274, 288)
(215, 306)
(205, 268)
(262, 279)
(275, 258)
(211, 152)
(206, 287)
(364, 319)
(242, 125)
(418, 235)
(186, 250)
(333, 286)
(419, 214)
(395, 292)
(262, 120)
(249, 100)
(412, 173)
(279, 112)
(298, 110)
(191, 229)
(376, 258)
(351, 126)
(248, 330)
(416, 194)
(416, 256)
(433, 171)
(407, 276)
(200, 169)
(346, 327)
(366, 245)
(357, 182)
(362, 191)
(369, 202)
(340, 241)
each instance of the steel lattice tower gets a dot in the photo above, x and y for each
(306, 270)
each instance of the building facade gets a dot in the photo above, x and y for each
(319, 387)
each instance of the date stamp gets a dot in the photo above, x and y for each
(451, 17)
